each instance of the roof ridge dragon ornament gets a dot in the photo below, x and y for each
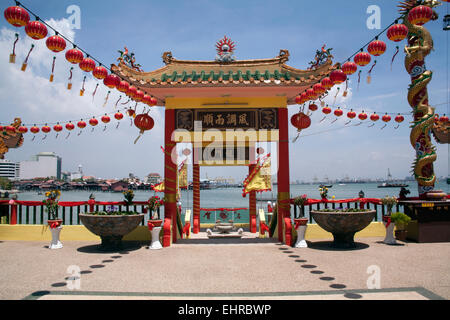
(420, 44)
(129, 59)
(225, 49)
(322, 56)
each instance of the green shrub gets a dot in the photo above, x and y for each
(400, 219)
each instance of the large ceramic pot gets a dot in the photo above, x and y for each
(343, 225)
(111, 229)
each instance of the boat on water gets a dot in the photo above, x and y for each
(391, 184)
(326, 186)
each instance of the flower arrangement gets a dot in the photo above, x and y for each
(52, 203)
(129, 196)
(300, 202)
(389, 202)
(323, 192)
(153, 204)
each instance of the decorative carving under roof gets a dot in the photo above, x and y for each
(441, 132)
(9, 139)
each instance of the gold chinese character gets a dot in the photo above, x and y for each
(243, 119)
(208, 119)
(220, 120)
(231, 119)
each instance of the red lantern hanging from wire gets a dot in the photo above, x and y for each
(17, 16)
(313, 107)
(123, 86)
(100, 72)
(36, 30)
(349, 68)
(81, 124)
(74, 56)
(362, 59)
(420, 15)
(362, 116)
(298, 100)
(57, 128)
(301, 121)
(118, 116)
(144, 123)
(46, 129)
(22, 129)
(374, 117)
(111, 81)
(153, 102)
(338, 77)
(310, 94)
(377, 48)
(399, 119)
(87, 64)
(386, 118)
(106, 119)
(56, 43)
(34, 130)
(338, 112)
(139, 96)
(69, 127)
(327, 83)
(397, 32)
(319, 89)
(131, 92)
(443, 119)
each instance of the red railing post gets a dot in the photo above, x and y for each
(13, 205)
(91, 203)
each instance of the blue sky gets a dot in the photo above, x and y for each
(190, 30)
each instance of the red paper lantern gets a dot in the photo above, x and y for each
(118, 116)
(144, 122)
(444, 118)
(81, 124)
(123, 86)
(17, 16)
(310, 94)
(46, 129)
(338, 77)
(70, 126)
(298, 99)
(131, 112)
(397, 32)
(87, 65)
(420, 15)
(93, 122)
(362, 59)
(326, 110)
(23, 129)
(74, 56)
(35, 130)
(362, 116)
(319, 89)
(139, 96)
(56, 43)
(106, 119)
(111, 81)
(386, 118)
(338, 112)
(100, 72)
(377, 48)
(11, 129)
(374, 117)
(399, 118)
(131, 92)
(301, 121)
(36, 30)
(327, 83)
(313, 107)
(349, 68)
(351, 114)
(58, 128)
(153, 102)
(147, 99)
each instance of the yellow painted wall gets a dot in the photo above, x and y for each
(141, 233)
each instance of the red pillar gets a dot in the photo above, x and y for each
(13, 205)
(170, 181)
(196, 192)
(284, 207)
(252, 204)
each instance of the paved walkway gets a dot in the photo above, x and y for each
(248, 269)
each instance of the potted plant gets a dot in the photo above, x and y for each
(129, 196)
(389, 202)
(301, 223)
(154, 223)
(323, 192)
(400, 220)
(51, 203)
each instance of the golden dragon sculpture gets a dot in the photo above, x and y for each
(10, 139)
(420, 44)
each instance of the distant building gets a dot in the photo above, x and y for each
(119, 186)
(43, 165)
(77, 175)
(10, 170)
(153, 178)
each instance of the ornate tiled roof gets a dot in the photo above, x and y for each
(256, 75)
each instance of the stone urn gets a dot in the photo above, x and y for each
(111, 229)
(343, 225)
(155, 229)
(389, 225)
(300, 226)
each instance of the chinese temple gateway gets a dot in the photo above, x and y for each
(248, 95)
